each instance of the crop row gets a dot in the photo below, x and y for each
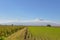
(6, 31)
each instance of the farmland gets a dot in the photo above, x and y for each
(46, 33)
(6, 31)
(11, 32)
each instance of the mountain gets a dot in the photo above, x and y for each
(36, 22)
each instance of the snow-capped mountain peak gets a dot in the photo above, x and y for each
(30, 22)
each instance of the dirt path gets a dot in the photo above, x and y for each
(23, 34)
(19, 35)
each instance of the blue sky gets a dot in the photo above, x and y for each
(30, 9)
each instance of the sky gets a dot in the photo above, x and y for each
(30, 9)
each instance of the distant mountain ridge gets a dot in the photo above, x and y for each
(36, 22)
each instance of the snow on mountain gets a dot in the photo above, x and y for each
(36, 22)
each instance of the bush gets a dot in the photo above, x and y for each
(48, 25)
(2, 38)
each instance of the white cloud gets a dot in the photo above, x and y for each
(23, 21)
(6, 21)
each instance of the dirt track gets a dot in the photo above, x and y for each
(19, 35)
(22, 34)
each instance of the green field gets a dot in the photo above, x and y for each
(45, 33)
(11, 32)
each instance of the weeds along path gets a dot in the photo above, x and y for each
(17, 35)
(23, 34)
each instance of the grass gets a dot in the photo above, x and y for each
(34, 32)
(7, 30)
(45, 33)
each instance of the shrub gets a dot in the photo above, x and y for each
(48, 25)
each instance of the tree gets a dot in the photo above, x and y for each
(48, 25)
(12, 24)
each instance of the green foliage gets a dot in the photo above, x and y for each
(2, 38)
(48, 25)
(7, 30)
